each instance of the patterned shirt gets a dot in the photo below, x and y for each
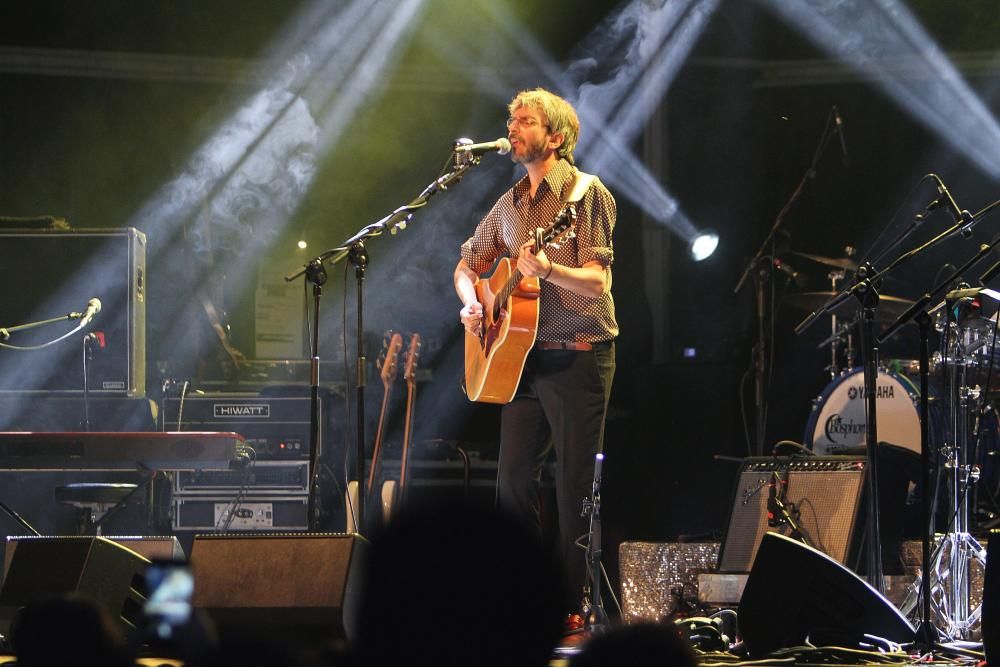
(563, 315)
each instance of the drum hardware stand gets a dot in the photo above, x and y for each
(595, 618)
(950, 563)
(353, 248)
(959, 543)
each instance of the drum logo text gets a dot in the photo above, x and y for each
(836, 427)
(881, 391)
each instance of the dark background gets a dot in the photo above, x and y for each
(731, 140)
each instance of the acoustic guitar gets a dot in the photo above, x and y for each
(494, 359)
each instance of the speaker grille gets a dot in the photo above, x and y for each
(825, 491)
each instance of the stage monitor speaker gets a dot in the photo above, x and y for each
(97, 568)
(991, 601)
(825, 490)
(794, 592)
(149, 547)
(302, 586)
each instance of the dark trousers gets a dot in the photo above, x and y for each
(560, 403)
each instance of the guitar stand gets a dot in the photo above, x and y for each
(594, 617)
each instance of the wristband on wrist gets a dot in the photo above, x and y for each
(546, 276)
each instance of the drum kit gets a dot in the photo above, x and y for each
(962, 394)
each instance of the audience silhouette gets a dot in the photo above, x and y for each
(454, 585)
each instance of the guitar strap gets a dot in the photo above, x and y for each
(581, 184)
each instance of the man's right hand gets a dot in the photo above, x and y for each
(472, 317)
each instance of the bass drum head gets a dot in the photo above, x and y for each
(837, 423)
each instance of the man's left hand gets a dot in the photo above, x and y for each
(530, 264)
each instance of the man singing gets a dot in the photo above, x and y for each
(562, 397)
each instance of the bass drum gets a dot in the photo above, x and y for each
(837, 423)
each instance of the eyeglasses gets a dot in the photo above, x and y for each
(524, 123)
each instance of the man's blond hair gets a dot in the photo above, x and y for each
(557, 114)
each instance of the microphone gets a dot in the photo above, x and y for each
(772, 503)
(944, 198)
(501, 145)
(93, 307)
(838, 123)
(598, 468)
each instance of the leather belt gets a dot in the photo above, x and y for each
(579, 346)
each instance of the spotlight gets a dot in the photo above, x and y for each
(703, 245)
(302, 244)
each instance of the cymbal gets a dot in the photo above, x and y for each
(889, 307)
(836, 262)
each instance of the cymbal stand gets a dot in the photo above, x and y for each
(949, 568)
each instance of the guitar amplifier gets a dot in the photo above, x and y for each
(277, 427)
(57, 273)
(823, 493)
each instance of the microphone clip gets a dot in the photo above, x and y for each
(463, 158)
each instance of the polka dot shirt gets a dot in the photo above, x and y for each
(563, 315)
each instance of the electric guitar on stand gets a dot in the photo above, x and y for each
(494, 359)
(388, 370)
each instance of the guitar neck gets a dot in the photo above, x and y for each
(516, 275)
(411, 392)
(377, 448)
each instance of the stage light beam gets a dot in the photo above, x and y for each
(656, 38)
(883, 41)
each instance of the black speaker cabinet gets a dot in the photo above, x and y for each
(97, 568)
(794, 592)
(50, 274)
(303, 586)
(826, 491)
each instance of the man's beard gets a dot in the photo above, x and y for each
(532, 152)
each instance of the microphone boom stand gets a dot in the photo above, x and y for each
(5, 335)
(595, 617)
(864, 289)
(760, 350)
(314, 272)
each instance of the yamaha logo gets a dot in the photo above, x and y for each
(260, 411)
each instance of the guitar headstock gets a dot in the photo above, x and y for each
(389, 367)
(562, 229)
(410, 373)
